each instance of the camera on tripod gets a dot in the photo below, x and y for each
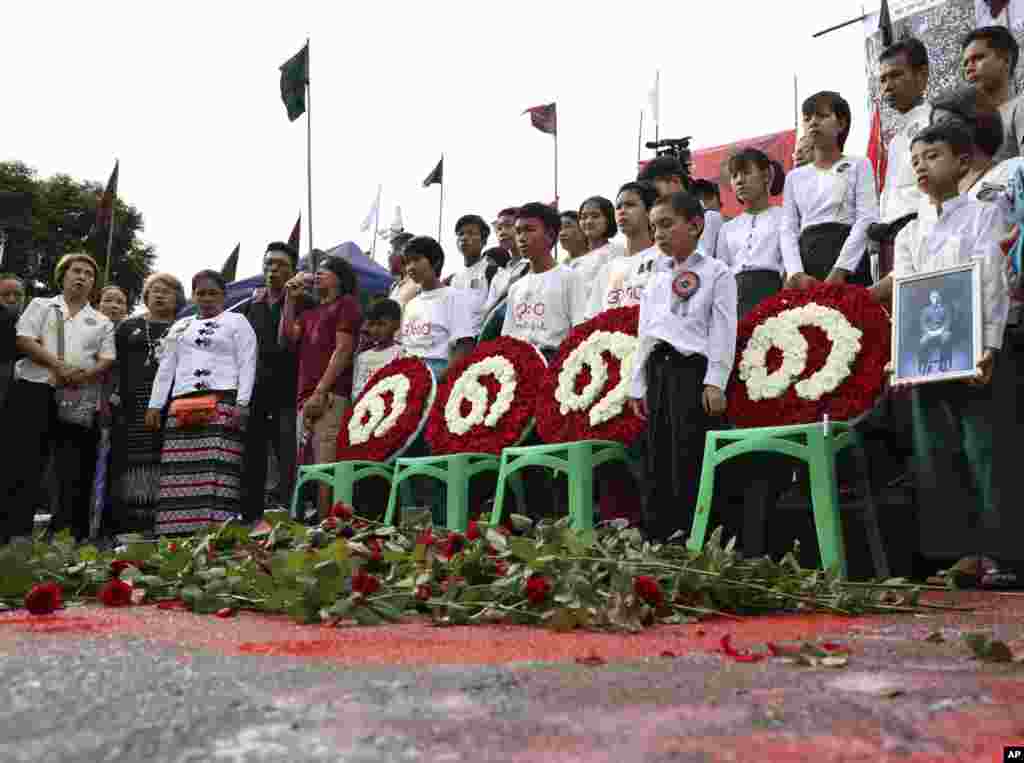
(677, 148)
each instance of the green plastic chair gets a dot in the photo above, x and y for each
(455, 470)
(577, 460)
(342, 476)
(817, 445)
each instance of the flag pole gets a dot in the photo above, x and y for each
(376, 224)
(440, 211)
(309, 159)
(796, 107)
(110, 232)
(639, 137)
(556, 161)
(657, 116)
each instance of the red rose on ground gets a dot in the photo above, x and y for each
(500, 568)
(116, 593)
(43, 598)
(120, 565)
(425, 538)
(739, 655)
(365, 584)
(330, 523)
(456, 542)
(172, 547)
(423, 592)
(537, 588)
(647, 588)
(225, 613)
(473, 531)
(342, 511)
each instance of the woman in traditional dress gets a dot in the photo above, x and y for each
(207, 369)
(750, 244)
(135, 449)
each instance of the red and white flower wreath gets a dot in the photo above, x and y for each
(803, 354)
(389, 414)
(487, 400)
(584, 393)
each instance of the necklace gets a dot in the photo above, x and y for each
(152, 351)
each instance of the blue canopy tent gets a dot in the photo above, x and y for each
(373, 279)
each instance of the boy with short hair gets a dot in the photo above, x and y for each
(988, 57)
(964, 230)
(544, 304)
(382, 322)
(685, 354)
(471, 234)
(707, 193)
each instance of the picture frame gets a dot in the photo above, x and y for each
(936, 325)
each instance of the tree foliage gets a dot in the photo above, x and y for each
(60, 219)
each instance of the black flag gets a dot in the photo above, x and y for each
(230, 268)
(885, 24)
(436, 175)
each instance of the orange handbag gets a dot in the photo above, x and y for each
(195, 411)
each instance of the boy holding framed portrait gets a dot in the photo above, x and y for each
(950, 303)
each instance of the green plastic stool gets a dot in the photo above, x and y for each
(815, 444)
(341, 476)
(455, 471)
(576, 459)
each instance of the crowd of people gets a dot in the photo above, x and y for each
(193, 406)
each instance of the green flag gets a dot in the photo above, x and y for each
(294, 77)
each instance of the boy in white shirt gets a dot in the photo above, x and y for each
(383, 321)
(543, 305)
(437, 324)
(471, 234)
(951, 417)
(684, 358)
(621, 281)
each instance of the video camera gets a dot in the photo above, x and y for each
(677, 148)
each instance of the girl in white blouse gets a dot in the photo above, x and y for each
(207, 368)
(830, 203)
(751, 243)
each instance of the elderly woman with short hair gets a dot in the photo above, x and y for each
(207, 370)
(135, 450)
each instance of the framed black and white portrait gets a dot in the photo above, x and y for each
(936, 328)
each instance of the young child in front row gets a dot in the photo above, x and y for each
(950, 416)
(685, 355)
(382, 322)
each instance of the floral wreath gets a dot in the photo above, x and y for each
(584, 392)
(487, 401)
(802, 355)
(389, 414)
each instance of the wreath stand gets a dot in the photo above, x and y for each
(817, 445)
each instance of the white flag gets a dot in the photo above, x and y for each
(654, 96)
(371, 216)
(397, 226)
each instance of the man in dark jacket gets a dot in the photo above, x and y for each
(272, 418)
(12, 300)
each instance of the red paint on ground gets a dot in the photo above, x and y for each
(57, 623)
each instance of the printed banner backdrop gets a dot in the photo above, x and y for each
(712, 164)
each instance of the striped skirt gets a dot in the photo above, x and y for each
(200, 474)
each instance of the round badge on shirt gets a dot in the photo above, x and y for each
(685, 284)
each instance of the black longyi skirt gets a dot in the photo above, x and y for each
(819, 249)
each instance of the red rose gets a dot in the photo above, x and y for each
(225, 613)
(473, 531)
(537, 588)
(425, 538)
(500, 568)
(647, 588)
(120, 565)
(364, 584)
(116, 593)
(172, 547)
(342, 511)
(43, 598)
(456, 542)
(423, 592)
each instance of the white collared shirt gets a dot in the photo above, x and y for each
(199, 354)
(370, 361)
(473, 281)
(435, 320)
(543, 307)
(1012, 113)
(964, 230)
(704, 324)
(844, 193)
(621, 282)
(900, 194)
(753, 242)
(589, 265)
(88, 337)
(713, 222)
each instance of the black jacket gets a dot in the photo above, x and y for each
(8, 333)
(277, 371)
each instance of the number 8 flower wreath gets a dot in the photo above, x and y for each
(801, 355)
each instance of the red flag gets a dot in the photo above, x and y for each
(876, 149)
(105, 209)
(296, 236)
(544, 118)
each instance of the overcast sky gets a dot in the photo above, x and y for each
(186, 95)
